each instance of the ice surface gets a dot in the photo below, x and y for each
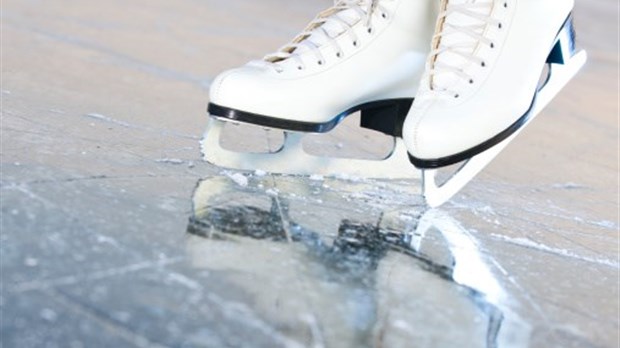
(133, 245)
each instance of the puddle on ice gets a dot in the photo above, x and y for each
(331, 263)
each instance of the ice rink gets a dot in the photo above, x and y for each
(114, 233)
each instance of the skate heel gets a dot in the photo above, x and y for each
(386, 116)
(564, 48)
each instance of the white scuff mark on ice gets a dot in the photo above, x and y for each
(170, 161)
(238, 178)
(528, 243)
(348, 177)
(110, 120)
(31, 262)
(191, 164)
(272, 192)
(259, 172)
(403, 325)
(123, 317)
(48, 314)
(569, 186)
(185, 281)
(606, 224)
(317, 177)
(106, 240)
(4, 91)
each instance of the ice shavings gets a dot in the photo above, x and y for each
(317, 177)
(528, 243)
(238, 178)
(347, 177)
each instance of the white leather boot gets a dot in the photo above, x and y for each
(359, 55)
(481, 79)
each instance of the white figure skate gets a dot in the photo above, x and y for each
(359, 55)
(482, 83)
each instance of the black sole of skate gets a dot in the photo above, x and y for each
(385, 116)
(467, 154)
(557, 55)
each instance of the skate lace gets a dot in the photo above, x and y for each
(317, 35)
(455, 45)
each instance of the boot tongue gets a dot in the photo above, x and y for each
(458, 40)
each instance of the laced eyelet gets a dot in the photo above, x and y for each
(471, 81)
(355, 43)
(338, 54)
(483, 64)
(384, 16)
(369, 30)
(492, 45)
(320, 62)
(505, 5)
(300, 68)
(456, 96)
(500, 25)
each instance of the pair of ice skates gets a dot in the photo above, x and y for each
(493, 65)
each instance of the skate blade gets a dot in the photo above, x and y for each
(292, 159)
(559, 75)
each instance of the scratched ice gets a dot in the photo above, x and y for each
(113, 232)
(370, 277)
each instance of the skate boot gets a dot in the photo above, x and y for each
(359, 55)
(482, 82)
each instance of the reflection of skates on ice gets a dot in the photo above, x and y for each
(482, 84)
(352, 278)
(362, 55)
